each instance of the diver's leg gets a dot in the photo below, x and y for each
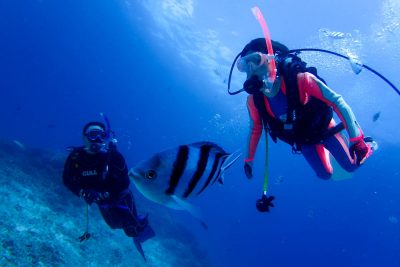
(134, 224)
(137, 226)
(110, 216)
(122, 214)
(129, 202)
(318, 158)
(339, 148)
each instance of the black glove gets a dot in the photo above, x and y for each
(90, 196)
(248, 169)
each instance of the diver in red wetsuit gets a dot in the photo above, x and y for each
(297, 108)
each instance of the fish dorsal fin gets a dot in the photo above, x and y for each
(230, 159)
(227, 162)
(216, 148)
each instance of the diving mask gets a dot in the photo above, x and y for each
(253, 61)
(96, 135)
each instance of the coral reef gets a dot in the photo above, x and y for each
(41, 221)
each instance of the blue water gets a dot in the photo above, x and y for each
(158, 69)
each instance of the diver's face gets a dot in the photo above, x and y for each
(94, 139)
(260, 72)
(254, 63)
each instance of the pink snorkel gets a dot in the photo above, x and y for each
(271, 61)
(264, 203)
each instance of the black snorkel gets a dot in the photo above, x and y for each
(251, 86)
(230, 77)
(356, 66)
(108, 130)
(110, 135)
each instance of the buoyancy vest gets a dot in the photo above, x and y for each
(304, 124)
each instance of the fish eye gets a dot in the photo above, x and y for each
(151, 174)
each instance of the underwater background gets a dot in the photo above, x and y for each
(159, 69)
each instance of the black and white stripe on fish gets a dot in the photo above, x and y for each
(181, 172)
(178, 169)
(201, 166)
(180, 163)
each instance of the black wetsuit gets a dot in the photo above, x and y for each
(105, 173)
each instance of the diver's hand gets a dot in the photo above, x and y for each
(90, 196)
(248, 169)
(360, 151)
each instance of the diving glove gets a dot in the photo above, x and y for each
(360, 151)
(90, 196)
(248, 169)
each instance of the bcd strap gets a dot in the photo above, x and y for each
(267, 121)
(304, 124)
(290, 71)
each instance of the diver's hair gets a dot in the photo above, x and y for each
(93, 123)
(259, 45)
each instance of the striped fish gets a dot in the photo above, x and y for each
(335, 34)
(172, 176)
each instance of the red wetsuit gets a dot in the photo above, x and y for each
(316, 154)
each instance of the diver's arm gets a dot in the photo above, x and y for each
(118, 172)
(255, 129)
(70, 176)
(311, 85)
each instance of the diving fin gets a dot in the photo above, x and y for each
(146, 234)
(356, 64)
(138, 245)
(143, 236)
(339, 173)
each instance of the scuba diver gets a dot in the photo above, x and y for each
(97, 173)
(292, 103)
(297, 107)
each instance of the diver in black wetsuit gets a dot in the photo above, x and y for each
(97, 173)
